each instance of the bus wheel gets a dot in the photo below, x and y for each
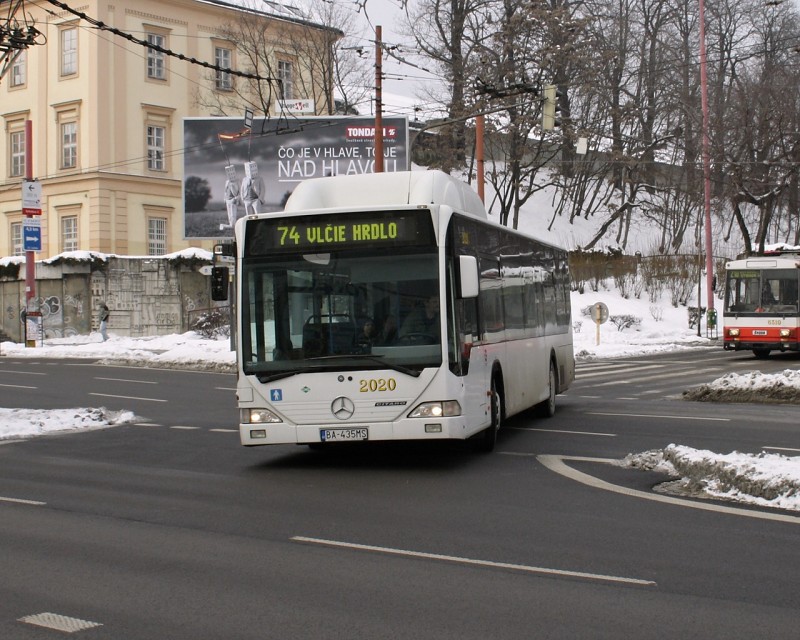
(547, 408)
(485, 441)
(761, 353)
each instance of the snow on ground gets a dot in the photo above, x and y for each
(25, 423)
(763, 479)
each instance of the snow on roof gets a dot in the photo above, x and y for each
(386, 189)
(268, 7)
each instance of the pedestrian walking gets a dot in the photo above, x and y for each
(103, 316)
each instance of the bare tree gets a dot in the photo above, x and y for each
(323, 67)
(762, 143)
(445, 32)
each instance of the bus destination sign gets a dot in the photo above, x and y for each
(340, 231)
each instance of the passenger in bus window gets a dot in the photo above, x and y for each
(389, 332)
(766, 294)
(369, 333)
(423, 319)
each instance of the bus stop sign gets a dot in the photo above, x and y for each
(599, 312)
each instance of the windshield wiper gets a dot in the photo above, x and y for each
(366, 356)
(262, 377)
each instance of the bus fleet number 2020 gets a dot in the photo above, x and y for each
(377, 384)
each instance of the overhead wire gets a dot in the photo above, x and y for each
(360, 4)
(166, 51)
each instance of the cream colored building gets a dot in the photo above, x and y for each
(107, 112)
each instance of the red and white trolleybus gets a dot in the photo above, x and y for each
(761, 303)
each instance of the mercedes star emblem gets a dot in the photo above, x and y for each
(343, 408)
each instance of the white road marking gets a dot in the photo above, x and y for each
(661, 376)
(111, 395)
(185, 428)
(59, 623)
(3, 442)
(557, 464)
(472, 561)
(580, 375)
(225, 430)
(23, 373)
(649, 415)
(579, 433)
(34, 503)
(17, 386)
(127, 380)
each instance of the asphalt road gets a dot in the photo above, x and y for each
(169, 529)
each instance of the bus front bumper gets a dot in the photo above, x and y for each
(442, 428)
(750, 345)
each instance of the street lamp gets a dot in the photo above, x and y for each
(706, 163)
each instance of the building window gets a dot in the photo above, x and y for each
(69, 51)
(222, 58)
(155, 148)
(156, 60)
(69, 233)
(69, 145)
(156, 236)
(17, 246)
(285, 76)
(18, 69)
(17, 147)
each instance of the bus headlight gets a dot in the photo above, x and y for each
(734, 333)
(445, 408)
(257, 416)
(786, 333)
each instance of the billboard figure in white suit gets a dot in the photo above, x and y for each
(252, 188)
(231, 196)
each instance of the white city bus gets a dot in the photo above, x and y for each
(762, 312)
(489, 334)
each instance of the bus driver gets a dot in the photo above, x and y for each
(423, 319)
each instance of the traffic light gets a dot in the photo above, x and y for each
(219, 283)
(550, 108)
(225, 249)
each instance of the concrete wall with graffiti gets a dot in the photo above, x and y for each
(146, 296)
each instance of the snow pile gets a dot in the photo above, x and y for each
(16, 423)
(752, 386)
(176, 351)
(764, 479)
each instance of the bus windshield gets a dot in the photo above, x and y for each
(341, 310)
(760, 291)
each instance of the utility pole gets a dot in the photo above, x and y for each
(32, 239)
(30, 255)
(706, 164)
(479, 126)
(378, 102)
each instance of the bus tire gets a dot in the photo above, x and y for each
(761, 353)
(547, 408)
(485, 441)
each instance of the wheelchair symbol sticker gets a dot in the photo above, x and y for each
(276, 395)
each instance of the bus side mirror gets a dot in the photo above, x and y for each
(468, 270)
(219, 283)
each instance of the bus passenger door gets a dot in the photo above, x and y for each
(467, 356)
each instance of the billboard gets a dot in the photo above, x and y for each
(229, 171)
